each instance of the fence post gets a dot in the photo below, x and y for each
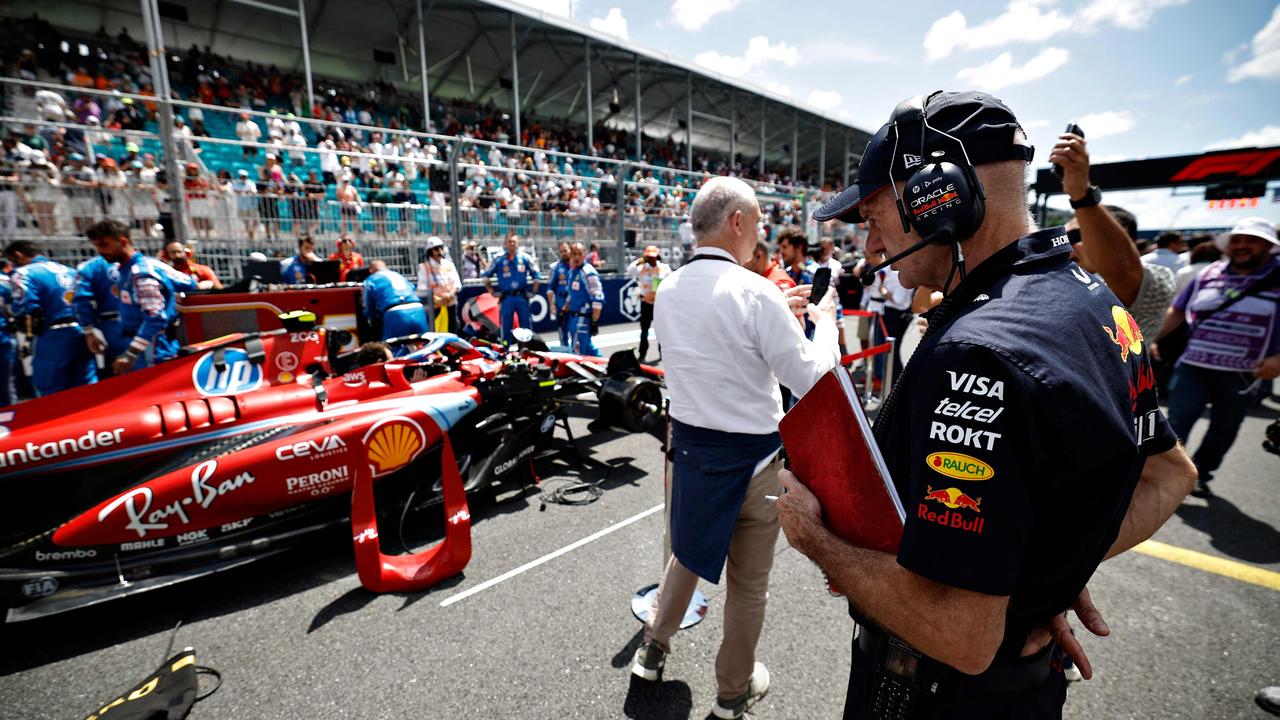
(454, 211)
(620, 181)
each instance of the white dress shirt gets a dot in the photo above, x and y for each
(728, 339)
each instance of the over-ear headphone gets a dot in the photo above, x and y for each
(943, 200)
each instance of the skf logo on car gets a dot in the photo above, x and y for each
(31, 452)
(234, 375)
(314, 449)
(959, 466)
(393, 443)
(1127, 334)
(952, 518)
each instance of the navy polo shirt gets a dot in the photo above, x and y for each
(1020, 431)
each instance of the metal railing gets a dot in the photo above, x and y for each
(455, 193)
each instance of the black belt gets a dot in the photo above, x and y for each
(1026, 674)
(109, 316)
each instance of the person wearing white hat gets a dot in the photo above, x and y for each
(1232, 310)
(438, 280)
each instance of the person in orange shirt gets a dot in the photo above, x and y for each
(347, 256)
(180, 257)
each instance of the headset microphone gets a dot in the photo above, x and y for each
(942, 236)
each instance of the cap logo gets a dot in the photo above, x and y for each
(909, 160)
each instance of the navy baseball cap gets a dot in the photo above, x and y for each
(984, 124)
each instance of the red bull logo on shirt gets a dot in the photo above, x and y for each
(1126, 334)
(957, 501)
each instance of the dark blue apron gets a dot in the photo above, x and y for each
(712, 470)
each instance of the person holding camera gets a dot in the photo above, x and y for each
(1026, 361)
(584, 303)
(518, 279)
(723, 366)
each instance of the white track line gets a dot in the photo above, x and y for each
(549, 556)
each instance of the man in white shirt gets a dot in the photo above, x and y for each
(1169, 252)
(723, 367)
(892, 302)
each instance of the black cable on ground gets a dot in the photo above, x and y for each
(569, 492)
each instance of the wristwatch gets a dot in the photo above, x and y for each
(1092, 197)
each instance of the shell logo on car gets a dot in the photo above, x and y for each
(393, 443)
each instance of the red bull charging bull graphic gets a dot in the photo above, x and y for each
(1126, 334)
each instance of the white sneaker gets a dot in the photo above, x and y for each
(1073, 673)
(648, 662)
(757, 688)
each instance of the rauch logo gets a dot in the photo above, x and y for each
(959, 466)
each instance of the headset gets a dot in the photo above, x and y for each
(942, 201)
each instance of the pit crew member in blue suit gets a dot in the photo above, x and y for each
(148, 291)
(558, 292)
(585, 302)
(98, 308)
(391, 299)
(518, 278)
(44, 288)
(8, 344)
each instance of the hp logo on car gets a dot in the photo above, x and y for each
(237, 374)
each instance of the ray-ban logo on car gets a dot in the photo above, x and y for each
(236, 374)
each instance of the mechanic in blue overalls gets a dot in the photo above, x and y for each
(518, 279)
(390, 299)
(148, 291)
(97, 308)
(558, 292)
(44, 288)
(8, 344)
(585, 302)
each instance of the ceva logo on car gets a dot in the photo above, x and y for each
(236, 375)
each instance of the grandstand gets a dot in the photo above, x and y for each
(532, 127)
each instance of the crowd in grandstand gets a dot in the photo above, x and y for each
(304, 177)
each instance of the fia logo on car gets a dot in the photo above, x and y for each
(236, 375)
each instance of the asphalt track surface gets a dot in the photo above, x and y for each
(295, 636)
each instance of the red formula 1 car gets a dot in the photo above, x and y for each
(241, 446)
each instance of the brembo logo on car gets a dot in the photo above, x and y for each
(32, 452)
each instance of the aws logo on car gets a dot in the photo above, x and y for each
(234, 375)
(959, 466)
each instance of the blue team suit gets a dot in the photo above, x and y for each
(97, 303)
(61, 358)
(390, 297)
(559, 286)
(586, 293)
(8, 349)
(294, 271)
(515, 279)
(148, 291)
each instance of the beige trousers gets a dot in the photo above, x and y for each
(747, 587)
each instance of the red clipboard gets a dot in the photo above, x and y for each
(831, 449)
